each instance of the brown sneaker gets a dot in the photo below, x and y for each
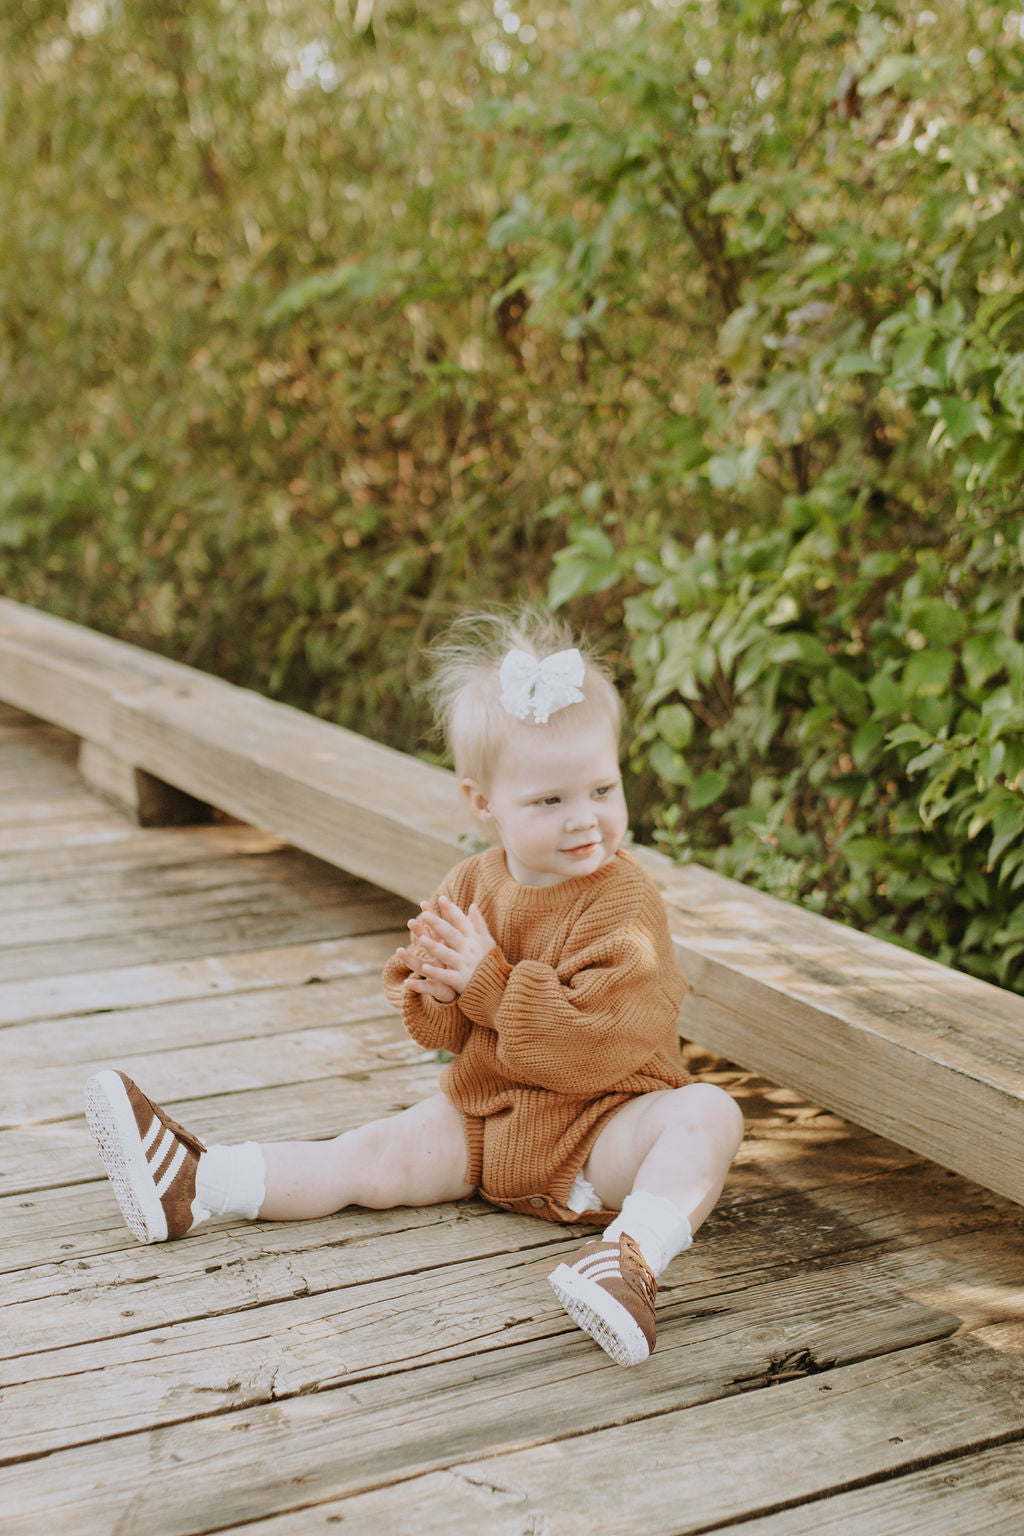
(150, 1159)
(609, 1291)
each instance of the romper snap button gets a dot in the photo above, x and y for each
(538, 1202)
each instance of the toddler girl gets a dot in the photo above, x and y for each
(544, 966)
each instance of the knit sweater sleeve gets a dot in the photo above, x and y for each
(597, 1015)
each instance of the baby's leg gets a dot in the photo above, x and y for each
(662, 1158)
(677, 1144)
(417, 1157)
(167, 1182)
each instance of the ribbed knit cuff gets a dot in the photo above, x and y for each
(430, 1023)
(483, 997)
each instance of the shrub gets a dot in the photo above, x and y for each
(830, 678)
(321, 322)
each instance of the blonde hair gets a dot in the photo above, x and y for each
(466, 693)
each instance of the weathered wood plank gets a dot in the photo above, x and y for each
(744, 1333)
(742, 1456)
(920, 1054)
(364, 1031)
(139, 795)
(979, 1495)
(81, 1039)
(94, 882)
(233, 930)
(29, 839)
(157, 904)
(39, 815)
(153, 848)
(12, 719)
(79, 995)
(79, 1292)
(311, 782)
(64, 673)
(792, 1444)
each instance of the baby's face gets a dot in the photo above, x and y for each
(557, 804)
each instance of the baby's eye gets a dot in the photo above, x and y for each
(550, 800)
(604, 789)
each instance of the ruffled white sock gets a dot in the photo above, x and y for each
(659, 1228)
(232, 1181)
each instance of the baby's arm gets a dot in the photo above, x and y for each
(425, 999)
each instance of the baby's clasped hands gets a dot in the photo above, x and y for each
(450, 944)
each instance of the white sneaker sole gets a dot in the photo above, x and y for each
(112, 1123)
(606, 1320)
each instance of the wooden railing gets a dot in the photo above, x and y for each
(922, 1054)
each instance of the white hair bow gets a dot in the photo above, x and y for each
(538, 688)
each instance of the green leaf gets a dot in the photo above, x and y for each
(797, 645)
(937, 753)
(848, 692)
(669, 765)
(867, 739)
(356, 279)
(907, 733)
(578, 575)
(928, 673)
(1007, 827)
(1009, 388)
(867, 853)
(707, 788)
(964, 418)
(674, 722)
(888, 70)
(594, 542)
(938, 621)
(850, 363)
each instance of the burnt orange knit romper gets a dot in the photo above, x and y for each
(571, 1015)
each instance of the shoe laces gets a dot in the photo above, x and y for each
(190, 1139)
(629, 1249)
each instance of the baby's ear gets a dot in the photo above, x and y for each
(477, 801)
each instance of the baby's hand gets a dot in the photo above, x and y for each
(418, 982)
(451, 942)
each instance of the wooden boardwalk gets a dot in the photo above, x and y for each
(841, 1352)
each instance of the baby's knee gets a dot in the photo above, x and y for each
(713, 1111)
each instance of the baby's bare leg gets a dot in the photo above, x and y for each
(417, 1157)
(661, 1160)
(678, 1144)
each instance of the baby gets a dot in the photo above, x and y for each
(545, 967)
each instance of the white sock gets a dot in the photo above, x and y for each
(231, 1181)
(659, 1228)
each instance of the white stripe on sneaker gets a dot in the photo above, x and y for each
(603, 1270)
(171, 1174)
(161, 1153)
(151, 1134)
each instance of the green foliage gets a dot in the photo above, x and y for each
(843, 723)
(265, 402)
(321, 321)
(830, 678)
